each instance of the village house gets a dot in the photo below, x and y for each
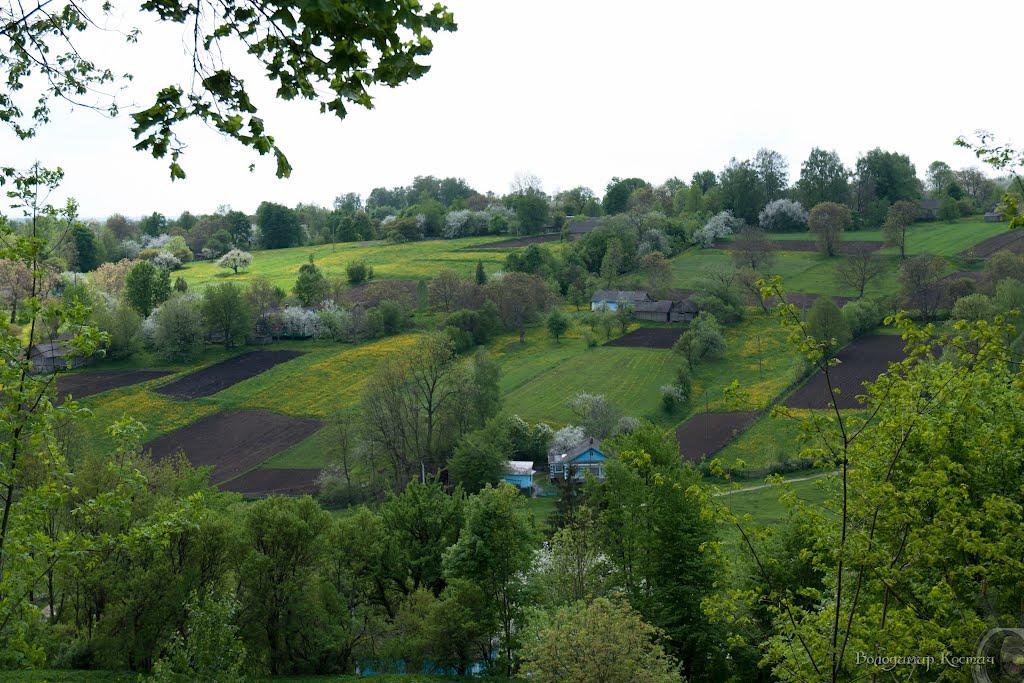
(611, 299)
(520, 473)
(581, 225)
(928, 209)
(643, 307)
(584, 458)
(56, 355)
(993, 216)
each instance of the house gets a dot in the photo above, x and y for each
(520, 474)
(584, 458)
(611, 299)
(993, 216)
(56, 355)
(581, 225)
(928, 209)
(656, 311)
(683, 311)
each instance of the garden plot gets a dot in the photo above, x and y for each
(265, 482)
(705, 434)
(648, 338)
(863, 360)
(233, 442)
(847, 247)
(226, 373)
(89, 383)
(1011, 240)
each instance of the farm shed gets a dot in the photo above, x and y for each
(683, 311)
(520, 474)
(928, 209)
(993, 216)
(611, 299)
(586, 457)
(656, 311)
(581, 225)
(55, 356)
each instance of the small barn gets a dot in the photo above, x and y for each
(928, 209)
(581, 225)
(655, 311)
(585, 458)
(611, 299)
(56, 356)
(520, 473)
(993, 216)
(683, 311)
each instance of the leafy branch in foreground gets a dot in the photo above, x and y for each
(329, 52)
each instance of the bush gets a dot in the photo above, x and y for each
(672, 396)
(227, 313)
(124, 325)
(717, 306)
(719, 226)
(783, 215)
(1009, 296)
(702, 339)
(393, 317)
(973, 307)
(359, 272)
(825, 322)
(862, 316)
(178, 329)
(298, 322)
(167, 261)
(310, 286)
(480, 325)
(333, 323)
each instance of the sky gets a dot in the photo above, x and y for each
(576, 92)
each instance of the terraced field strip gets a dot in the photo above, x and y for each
(863, 360)
(85, 384)
(233, 442)
(705, 434)
(220, 376)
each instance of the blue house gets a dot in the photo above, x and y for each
(611, 299)
(584, 458)
(520, 474)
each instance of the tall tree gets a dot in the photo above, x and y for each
(519, 298)
(773, 170)
(86, 258)
(859, 269)
(823, 178)
(887, 176)
(900, 217)
(279, 226)
(742, 190)
(828, 222)
(618, 192)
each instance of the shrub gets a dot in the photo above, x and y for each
(783, 215)
(167, 261)
(180, 285)
(310, 286)
(672, 396)
(227, 312)
(298, 322)
(862, 316)
(178, 329)
(393, 317)
(973, 307)
(359, 272)
(826, 322)
(718, 307)
(702, 339)
(123, 324)
(333, 323)
(719, 226)
(1009, 296)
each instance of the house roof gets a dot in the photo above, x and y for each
(686, 306)
(617, 295)
(581, 226)
(579, 449)
(521, 467)
(930, 204)
(653, 306)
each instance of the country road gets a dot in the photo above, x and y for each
(785, 481)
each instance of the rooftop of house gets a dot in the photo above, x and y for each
(579, 449)
(616, 295)
(653, 306)
(582, 225)
(930, 204)
(521, 467)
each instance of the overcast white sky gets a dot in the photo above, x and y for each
(578, 91)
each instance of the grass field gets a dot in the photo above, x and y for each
(763, 507)
(412, 260)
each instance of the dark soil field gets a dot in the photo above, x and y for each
(863, 360)
(519, 242)
(227, 373)
(648, 338)
(705, 434)
(233, 442)
(258, 483)
(849, 247)
(1012, 240)
(89, 383)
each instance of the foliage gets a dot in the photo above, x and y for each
(519, 299)
(86, 256)
(311, 285)
(900, 217)
(209, 648)
(178, 330)
(236, 260)
(827, 325)
(702, 339)
(146, 287)
(602, 640)
(823, 178)
(226, 312)
(783, 215)
(618, 192)
(862, 316)
(557, 324)
(123, 327)
(973, 307)
(922, 287)
(720, 226)
(358, 272)
(598, 416)
(479, 460)
(828, 221)
(165, 260)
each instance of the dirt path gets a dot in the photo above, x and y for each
(758, 487)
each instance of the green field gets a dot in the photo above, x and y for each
(762, 505)
(411, 260)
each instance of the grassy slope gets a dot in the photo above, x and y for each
(413, 260)
(763, 507)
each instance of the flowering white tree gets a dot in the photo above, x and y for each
(236, 260)
(783, 215)
(565, 439)
(300, 322)
(167, 261)
(718, 227)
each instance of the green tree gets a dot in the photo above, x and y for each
(153, 224)
(481, 274)
(311, 285)
(603, 640)
(611, 263)
(823, 178)
(557, 324)
(828, 222)
(358, 272)
(655, 532)
(826, 324)
(227, 312)
(478, 462)
(208, 648)
(900, 217)
(179, 330)
(743, 191)
(949, 209)
(888, 176)
(531, 209)
(86, 258)
(279, 226)
(146, 287)
(494, 551)
(618, 192)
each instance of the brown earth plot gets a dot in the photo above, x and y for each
(863, 360)
(705, 434)
(89, 383)
(224, 374)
